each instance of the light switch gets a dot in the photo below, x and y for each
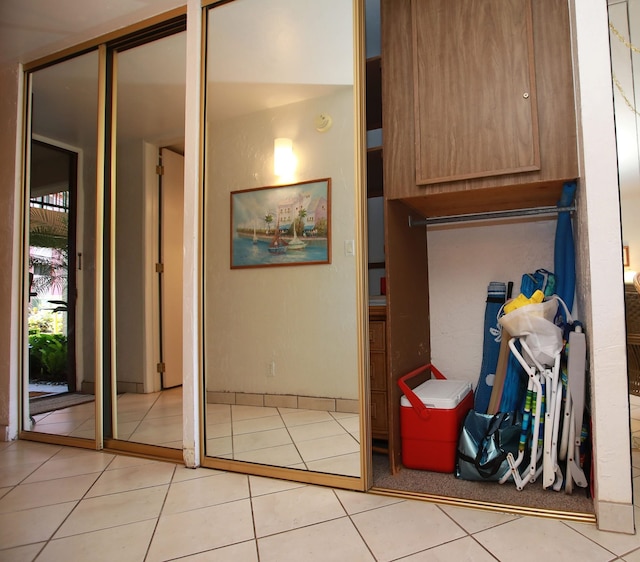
(349, 248)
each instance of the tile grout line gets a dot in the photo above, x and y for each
(77, 503)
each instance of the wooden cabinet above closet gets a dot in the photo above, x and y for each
(478, 105)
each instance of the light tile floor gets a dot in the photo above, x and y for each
(62, 503)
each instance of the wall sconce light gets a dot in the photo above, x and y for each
(284, 162)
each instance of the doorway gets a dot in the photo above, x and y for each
(169, 266)
(52, 263)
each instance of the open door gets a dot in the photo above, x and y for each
(171, 189)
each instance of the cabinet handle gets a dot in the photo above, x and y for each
(526, 95)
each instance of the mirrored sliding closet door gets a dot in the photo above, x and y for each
(280, 233)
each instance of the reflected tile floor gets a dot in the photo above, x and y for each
(294, 438)
(61, 503)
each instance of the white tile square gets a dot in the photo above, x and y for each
(292, 509)
(20, 453)
(102, 512)
(328, 447)
(125, 461)
(474, 520)
(158, 431)
(617, 543)
(65, 466)
(346, 465)
(460, 549)
(124, 543)
(405, 528)
(132, 478)
(216, 489)
(241, 412)
(12, 475)
(333, 540)
(520, 540)
(316, 431)
(219, 447)
(356, 502)
(282, 455)
(215, 430)
(253, 425)
(199, 530)
(183, 473)
(260, 485)
(47, 492)
(261, 440)
(19, 527)
(218, 413)
(632, 556)
(293, 417)
(25, 553)
(241, 552)
(350, 422)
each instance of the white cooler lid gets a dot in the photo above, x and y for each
(438, 393)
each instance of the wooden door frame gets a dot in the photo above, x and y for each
(152, 380)
(151, 214)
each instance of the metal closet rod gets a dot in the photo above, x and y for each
(530, 212)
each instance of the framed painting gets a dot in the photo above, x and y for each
(281, 225)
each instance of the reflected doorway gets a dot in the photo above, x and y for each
(60, 249)
(170, 249)
(52, 274)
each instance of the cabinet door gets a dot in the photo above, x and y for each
(376, 335)
(474, 89)
(379, 425)
(378, 370)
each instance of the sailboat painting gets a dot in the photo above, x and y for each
(281, 225)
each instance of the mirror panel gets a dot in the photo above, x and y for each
(149, 93)
(59, 379)
(280, 342)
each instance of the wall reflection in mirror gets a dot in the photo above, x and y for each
(280, 344)
(60, 258)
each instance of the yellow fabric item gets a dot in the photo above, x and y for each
(521, 300)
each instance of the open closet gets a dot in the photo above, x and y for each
(478, 118)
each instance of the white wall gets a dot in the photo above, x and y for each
(302, 317)
(600, 280)
(463, 259)
(130, 261)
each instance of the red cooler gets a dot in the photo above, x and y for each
(430, 419)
